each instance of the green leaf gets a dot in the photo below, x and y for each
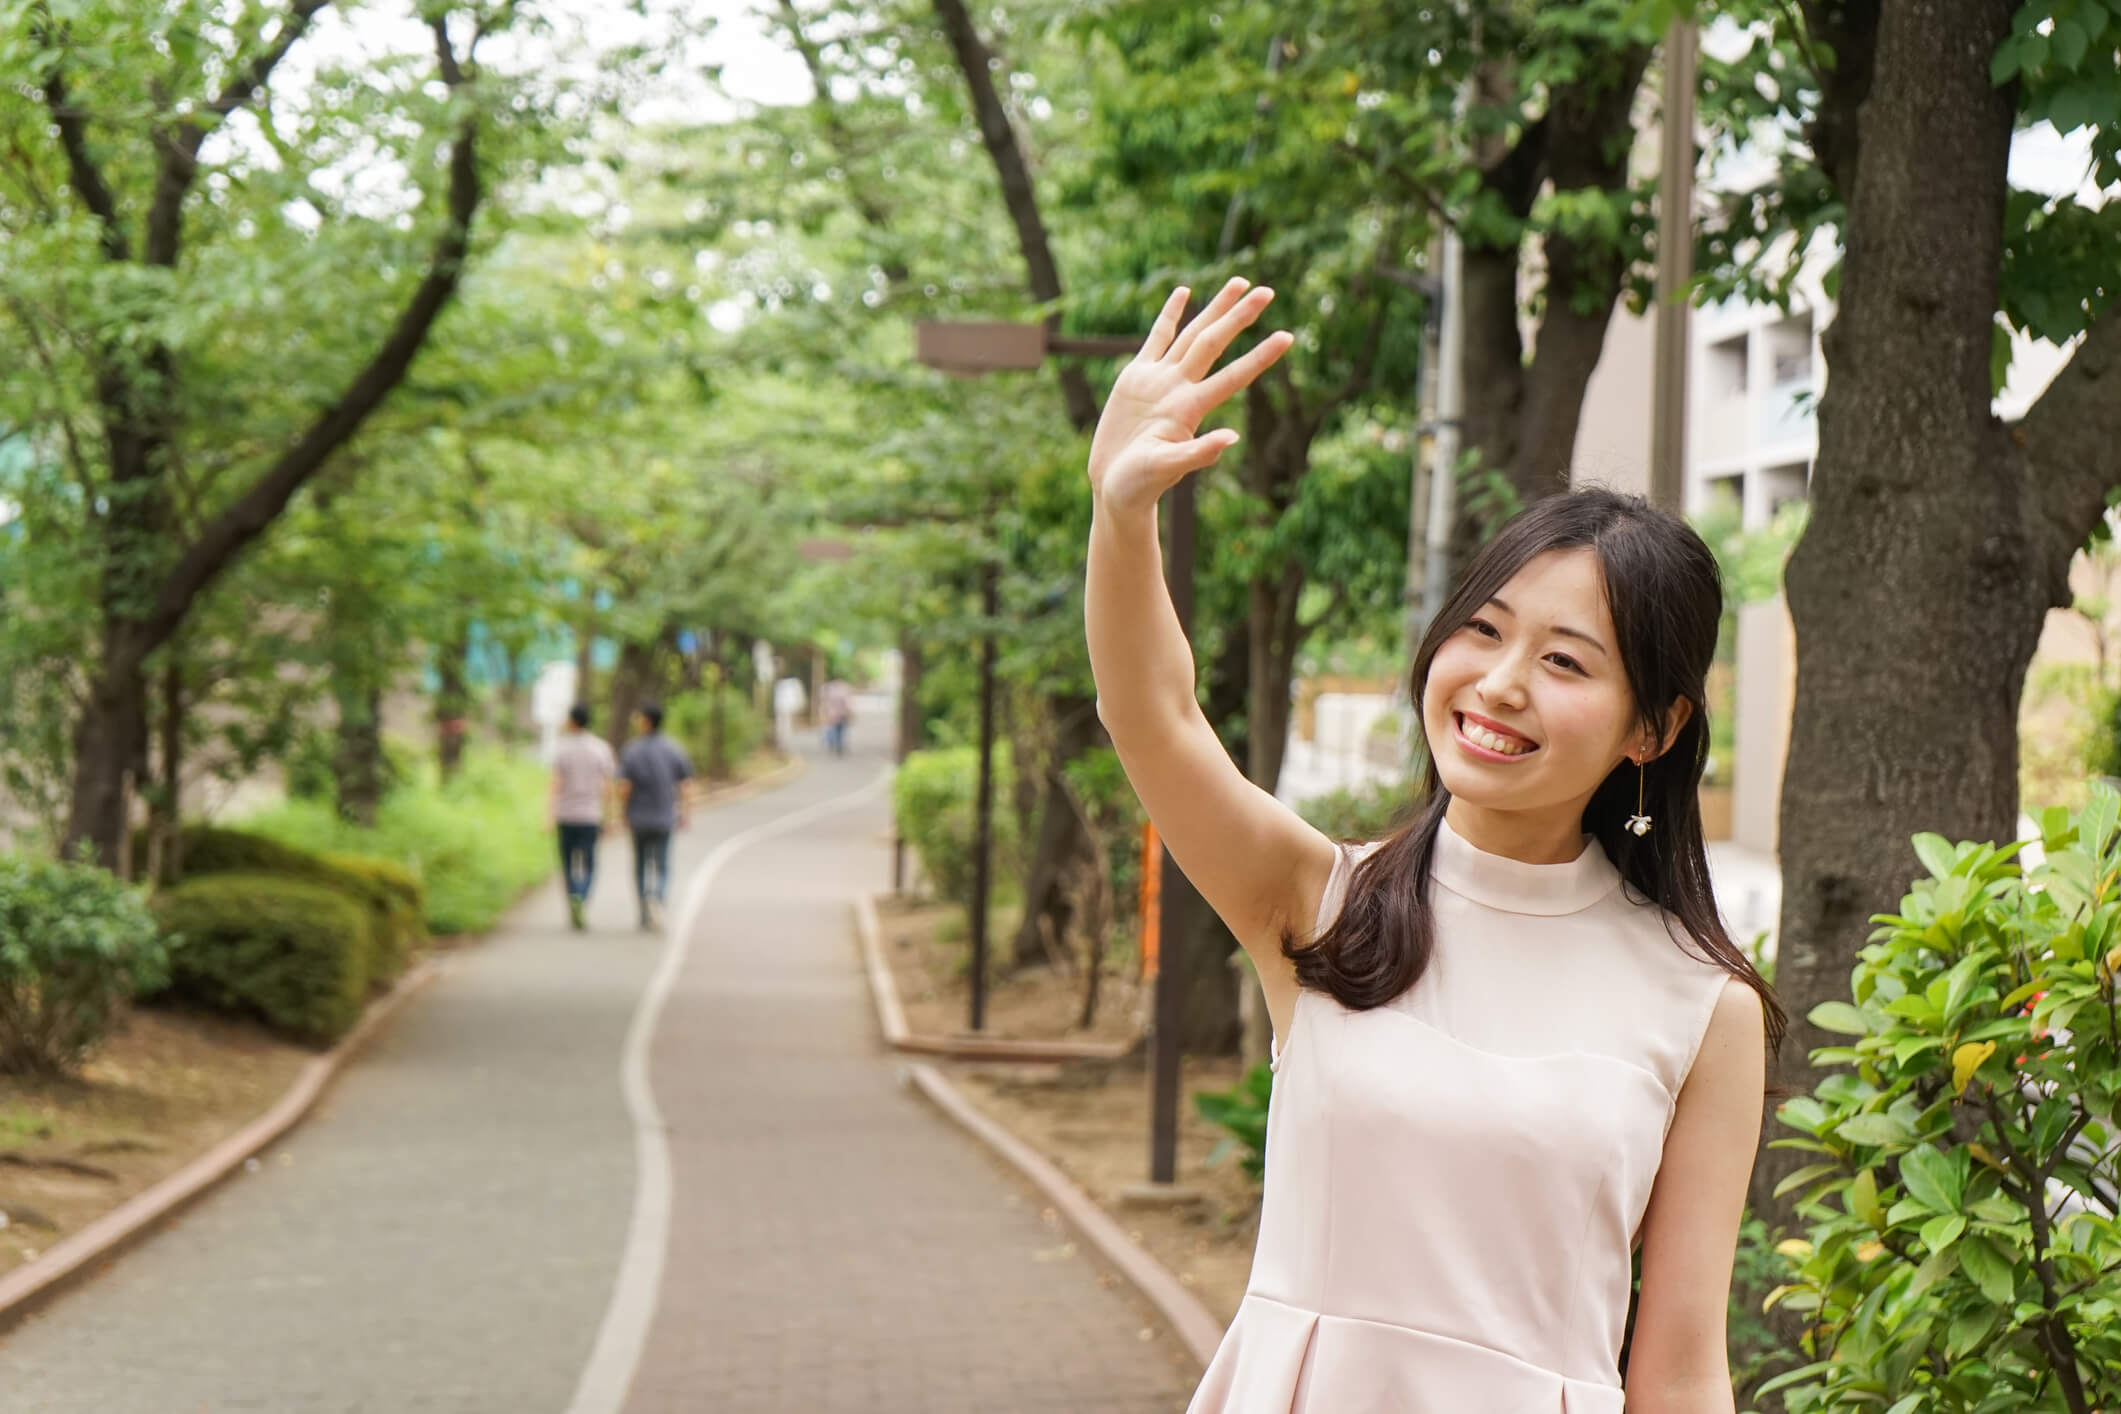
(1874, 1130)
(2068, 43)
(1841, 1018)
(1989, 1268)
(1938, 1234)
(1863, 1199)
(1931, 1178)
(1808, 1174)
(1936, 854)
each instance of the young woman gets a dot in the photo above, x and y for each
(1513, 1041)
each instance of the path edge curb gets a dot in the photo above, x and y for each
(891, 1014)
(1182, 1312)
(51, 1272)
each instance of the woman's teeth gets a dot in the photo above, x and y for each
(1481, 736)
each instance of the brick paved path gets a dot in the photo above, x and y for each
(445, 1231)
(838, 1245)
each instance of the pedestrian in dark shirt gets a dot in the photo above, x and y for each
(655, 772)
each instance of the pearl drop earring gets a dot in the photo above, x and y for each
(1639, 822)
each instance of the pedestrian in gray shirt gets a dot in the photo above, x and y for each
(655, 773)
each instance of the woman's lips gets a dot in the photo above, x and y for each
(1490, 742)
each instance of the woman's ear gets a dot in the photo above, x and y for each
(1675, 719)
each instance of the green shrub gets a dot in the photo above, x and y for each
(1963, 1251)
(475, 845)
(288, 952)
(1242, 1109)
(1368, 813)
(2102, 748)
(311, 769)
(933, 795)
(389, 893)
(75, 945)
(1100, 784)
(397, 907)
(689, 719)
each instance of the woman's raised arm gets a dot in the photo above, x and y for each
(1258, 864)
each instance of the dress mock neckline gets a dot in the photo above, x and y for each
(1513, 886)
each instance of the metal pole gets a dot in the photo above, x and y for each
(1675, 267)
(1450, 411)
(1175, 893)
(983, 828)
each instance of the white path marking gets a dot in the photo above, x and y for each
(608, 1376)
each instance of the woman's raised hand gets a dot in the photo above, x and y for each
(1146, 440)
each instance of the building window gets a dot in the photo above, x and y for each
(1790, 350)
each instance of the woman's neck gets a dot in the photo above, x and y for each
(1531, 837)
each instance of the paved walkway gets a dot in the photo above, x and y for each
(446, 1232)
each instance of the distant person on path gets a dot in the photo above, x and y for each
(657, 774)
(837, 700)
(583, 769)
(789, 700)
(1512, 1038)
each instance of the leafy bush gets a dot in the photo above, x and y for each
(389, 893)
(1370, 813)
(933, 795)
(1100, 784)
(2102, 749)
(689, 719)
(75, 945)
(311, 765)
(1963, 1250)
(475, 845)
(291, 953)
(1242, 1109)
(397, 907)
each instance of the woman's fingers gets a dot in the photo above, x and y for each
(1225, 299)
(1227, 382)
(1165, 329)
(1177, 458)
(1210, 343)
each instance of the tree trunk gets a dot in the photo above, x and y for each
(452, 702)
(165, 835)
(1917, 592)
(585, 644)
(912, 724)
(511, 695)
(107, 734)
(1212, 1025)
(1042, 272)
(717, 709)
(358, 766)
(1062, 849)
(1278, 459)
(630, 687)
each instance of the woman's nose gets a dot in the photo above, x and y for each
(1503, 683)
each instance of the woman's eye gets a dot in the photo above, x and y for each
(1483, 627)
(1563, 660)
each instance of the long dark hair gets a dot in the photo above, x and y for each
(1666, 598)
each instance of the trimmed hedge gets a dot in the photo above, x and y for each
(393, 900)
(933, 796)
(292, 953)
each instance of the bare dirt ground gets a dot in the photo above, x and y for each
(167, 1087)
(926, 947)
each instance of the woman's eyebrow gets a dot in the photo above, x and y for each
(1560, 629)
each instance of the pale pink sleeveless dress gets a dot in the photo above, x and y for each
(1456, 1180)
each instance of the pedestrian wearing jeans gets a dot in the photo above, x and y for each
(654, 770)
(582, 772)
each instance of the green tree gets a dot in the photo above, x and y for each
(1939, 535)
(208, 322)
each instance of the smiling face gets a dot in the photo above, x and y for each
(1527, 708)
